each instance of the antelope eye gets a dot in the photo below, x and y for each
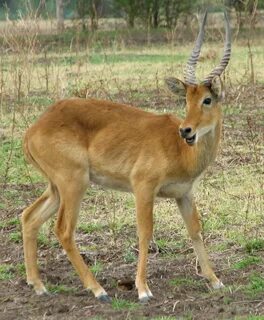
(207, 101)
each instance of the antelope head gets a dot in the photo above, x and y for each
(202, 99)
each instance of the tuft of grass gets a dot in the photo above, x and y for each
(6, 272)
(129, 256)
(90, 227)
(15, 237)
(254, 245)
(21, 269)
(256, 285)
(60, 288)
(248, 261)
(97, 268)
(122, 304)
(42, 239)
(9, 223)
(182, 282)
(251, 318)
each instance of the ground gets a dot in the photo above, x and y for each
(230, 196)
(178, 289)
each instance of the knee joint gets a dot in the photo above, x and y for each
(64, 238)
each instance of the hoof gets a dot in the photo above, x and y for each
(42, 292)
(217, 285)
(145, 298)
(104, 298)
(38, 287)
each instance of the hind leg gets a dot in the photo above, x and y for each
(32, 219)
(71, 191)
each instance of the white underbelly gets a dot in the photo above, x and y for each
(175, 190)
(109, 182)
(168, 190)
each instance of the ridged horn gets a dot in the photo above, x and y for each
(189, 72)
(217, 71)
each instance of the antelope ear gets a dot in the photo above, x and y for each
(176, 86)
(217, 88)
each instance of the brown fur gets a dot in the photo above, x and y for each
(76, 141)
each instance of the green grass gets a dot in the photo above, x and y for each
(21, 269)
(168, 245)
(90, 227)
(6, 271)
(138, 58)
(255, 286)
(122, 304)
(14, 168)
(60, 288)
(39, 101)
(45, 241)
(97, 268)
(9, 223)
(185, 282)
(246, 262)
(117, 58)
(129, 256)
(250, 318)
(254, 245)
(15, 237)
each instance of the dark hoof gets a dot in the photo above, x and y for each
(144, 300)
(104, 298)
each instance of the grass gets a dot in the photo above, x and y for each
(21, 269)
(129, 256)
(255, 286)
(60, 289)
(246, 262)
(97, 268)
(6, 271)
(15, 237)
(9, 223)
(122, 304)
(90, 227)
(254, 245)
(14, 168)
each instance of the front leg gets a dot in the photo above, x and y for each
(191, 218)
(144, 208)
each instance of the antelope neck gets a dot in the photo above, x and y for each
(208, 146)
(206, 149)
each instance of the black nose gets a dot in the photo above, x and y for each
(185, 131)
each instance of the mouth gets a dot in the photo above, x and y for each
(191, 140)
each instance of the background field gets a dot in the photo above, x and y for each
(129, 67)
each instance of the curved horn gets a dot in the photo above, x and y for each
(189, 72)
(217, 71)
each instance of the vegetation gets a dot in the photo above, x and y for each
(152, 13)
(120, 304)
